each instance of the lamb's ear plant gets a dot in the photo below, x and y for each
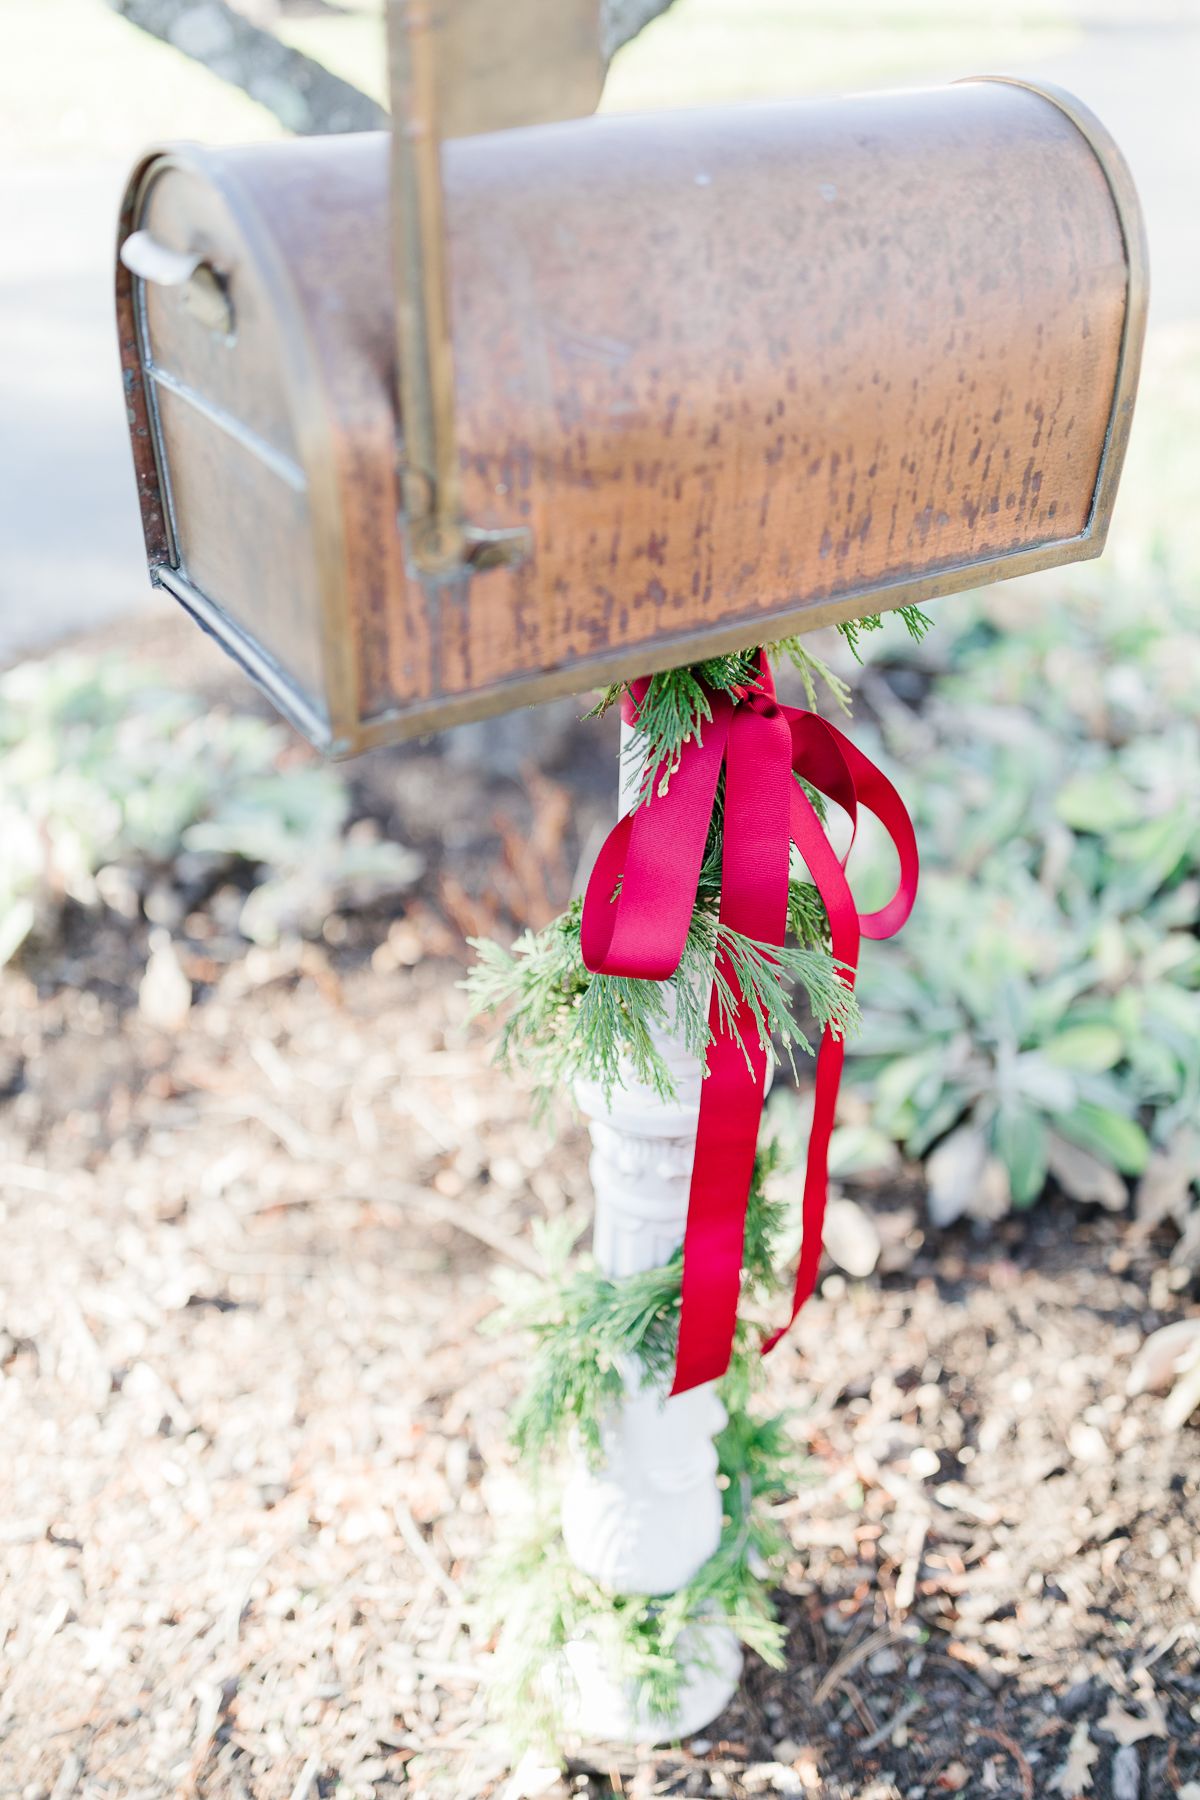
(104, 768)
(990, 1052)
(1040, 1019)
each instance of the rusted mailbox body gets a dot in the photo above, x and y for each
(734, 371)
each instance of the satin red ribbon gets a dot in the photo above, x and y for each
(636, 915)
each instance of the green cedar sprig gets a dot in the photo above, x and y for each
(676, 703)
(916, 623)
(814, 672)
(589, 1330)
(675, 706)
(537, 1601)
(563, 1023)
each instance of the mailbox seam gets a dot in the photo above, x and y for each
(1122, 188)
(288, 471)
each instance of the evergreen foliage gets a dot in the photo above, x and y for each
(676, 705)
(916, 624)
(592, 1335)
(562, 1023)
(537, 1601)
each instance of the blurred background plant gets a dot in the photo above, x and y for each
(113, 787)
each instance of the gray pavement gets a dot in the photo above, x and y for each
(70, 541)
(70, 544)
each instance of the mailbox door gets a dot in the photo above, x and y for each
(212, 403)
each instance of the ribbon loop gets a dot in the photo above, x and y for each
(640, 929)
(636, 915)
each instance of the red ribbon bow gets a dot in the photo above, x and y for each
(654, 855)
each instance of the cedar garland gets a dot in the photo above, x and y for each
(561, 1024)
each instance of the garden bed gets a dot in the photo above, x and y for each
(255, 1444)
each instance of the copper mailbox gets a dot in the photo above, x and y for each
(717, 375)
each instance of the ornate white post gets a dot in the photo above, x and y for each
(649, 1515)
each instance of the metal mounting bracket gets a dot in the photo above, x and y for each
(457, 68)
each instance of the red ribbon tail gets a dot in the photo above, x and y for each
(844, 770)
(636, 915)
(754, 895)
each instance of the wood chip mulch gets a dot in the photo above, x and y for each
(253, 1441)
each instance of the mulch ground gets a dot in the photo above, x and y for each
(253, 1441)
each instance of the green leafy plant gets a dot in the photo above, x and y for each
(103, 767)
(1041, 1015)
(990, 1050)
